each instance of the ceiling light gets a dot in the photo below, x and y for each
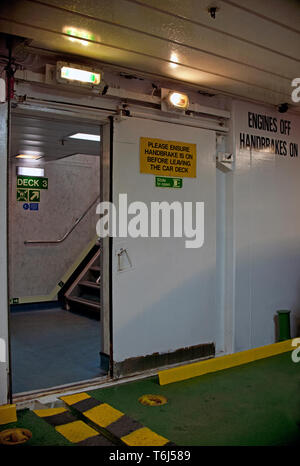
(86, 136)
(178, 100)
(76, 74)
(30, 171)
(28, 156)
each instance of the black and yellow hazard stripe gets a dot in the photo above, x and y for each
(74, 430)
(116, 423)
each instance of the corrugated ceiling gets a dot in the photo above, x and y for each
(251, 49)
(49, 136)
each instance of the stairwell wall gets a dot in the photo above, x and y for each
(36, 270)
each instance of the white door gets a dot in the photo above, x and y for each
(3, 257)
(167, 299)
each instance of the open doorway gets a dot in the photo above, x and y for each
(54, 253)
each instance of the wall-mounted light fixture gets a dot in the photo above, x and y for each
(178, 100)
(173, 100)
(69, 73)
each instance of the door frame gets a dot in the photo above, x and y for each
(5, 385)
(106, 348)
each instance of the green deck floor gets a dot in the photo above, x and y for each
(42, 433)
(253, 404)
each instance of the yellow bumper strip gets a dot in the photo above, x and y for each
(74, 430)
(8, 414)
(117, 424)
(49, 412)
(144, 437)
(72, 399)
(196, 369)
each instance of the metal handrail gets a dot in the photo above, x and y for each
(57, 241)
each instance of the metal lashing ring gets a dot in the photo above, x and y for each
(14, 436)
(153, 400)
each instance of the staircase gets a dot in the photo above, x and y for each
(84, 294)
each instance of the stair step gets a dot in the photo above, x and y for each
(86, 302)
(95, 268)
(89, 284)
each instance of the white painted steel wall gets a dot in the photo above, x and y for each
(267, 233)
(3, 253)
(168, 299)
(73, 186)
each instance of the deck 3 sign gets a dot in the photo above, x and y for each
(167, 158)
(35, 182)
(28, 189)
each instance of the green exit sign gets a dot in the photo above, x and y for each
(163, 182)
(35, 182)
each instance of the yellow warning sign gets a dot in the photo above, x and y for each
(168, 158)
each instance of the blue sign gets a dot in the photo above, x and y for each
(34, 206)
(26, 206)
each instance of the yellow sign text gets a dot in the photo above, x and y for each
(167, 158)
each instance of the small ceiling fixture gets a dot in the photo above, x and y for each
(212, 11)
(283, 108)
(178, 100)
(85, 136)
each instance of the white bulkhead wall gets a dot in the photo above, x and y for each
(267, 226)
(167, 300)
(3, 257)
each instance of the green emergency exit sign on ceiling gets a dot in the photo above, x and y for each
(35, 182)
(163, 182)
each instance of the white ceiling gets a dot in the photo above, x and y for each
(251, 49)
(50, 136)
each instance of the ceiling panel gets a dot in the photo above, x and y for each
(283, 12)
(235, 22)
(189, 22)
(244, 51)
(202, 50)
(51, 137)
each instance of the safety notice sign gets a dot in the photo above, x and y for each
(34, 195)
(162, 182)
(167, 158)
(22, 195)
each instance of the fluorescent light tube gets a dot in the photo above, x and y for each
(30, 171)
(86, 136)
(28, 156)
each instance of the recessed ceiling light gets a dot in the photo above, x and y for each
(28, 156)
(30, 171)
(86, 136)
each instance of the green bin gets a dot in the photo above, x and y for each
(284, 325)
